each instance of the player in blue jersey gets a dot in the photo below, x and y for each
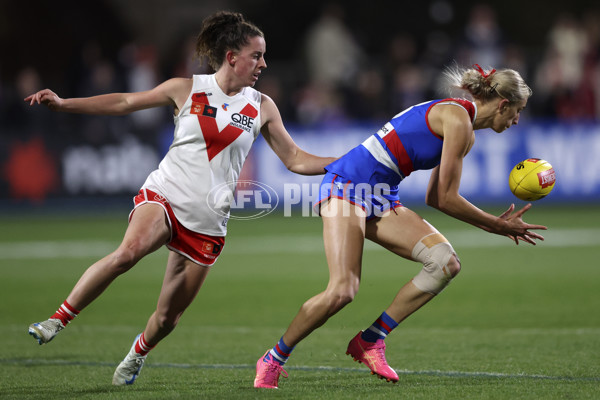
(359, 199)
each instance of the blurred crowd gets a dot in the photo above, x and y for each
(333, 79)
(346, 83)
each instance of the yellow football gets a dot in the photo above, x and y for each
(532, 179)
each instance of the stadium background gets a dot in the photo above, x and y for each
(335, 80)
(520, 322)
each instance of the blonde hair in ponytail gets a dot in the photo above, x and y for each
(487, 84)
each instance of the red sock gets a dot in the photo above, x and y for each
(65, 313)
(141, 347)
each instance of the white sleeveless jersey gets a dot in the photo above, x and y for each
(213, 135)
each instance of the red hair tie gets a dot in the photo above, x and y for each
(482, 72)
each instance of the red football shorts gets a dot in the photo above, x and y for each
(201, 249)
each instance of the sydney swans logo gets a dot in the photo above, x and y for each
(246, 200)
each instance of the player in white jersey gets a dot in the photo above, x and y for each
(217, 118)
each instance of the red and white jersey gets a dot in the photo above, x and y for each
(213, 135)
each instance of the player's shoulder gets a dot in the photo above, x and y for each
(451, 115)
(177, 85)
(464, 105)
(253, 95)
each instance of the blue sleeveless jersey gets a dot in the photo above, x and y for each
(403, 145)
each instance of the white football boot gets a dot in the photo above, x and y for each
(129, 369)
(45, 331)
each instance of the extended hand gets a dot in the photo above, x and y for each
(47, 97)
(517, 229)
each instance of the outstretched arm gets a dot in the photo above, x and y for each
(443, 191)
(509, 223)
(113, 103)
(275, 134)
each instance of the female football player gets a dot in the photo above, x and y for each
(359, 199)
(217, 118)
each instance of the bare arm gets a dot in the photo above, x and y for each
(164, 94)
(278, 138)
(443, 191)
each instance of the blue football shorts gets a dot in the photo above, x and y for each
(375, 200)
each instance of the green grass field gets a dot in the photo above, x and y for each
(520, 322)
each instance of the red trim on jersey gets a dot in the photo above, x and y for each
(217, 140)
(469, 107)
(427, 120)
(393, 142)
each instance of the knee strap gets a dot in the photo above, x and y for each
(434, 251)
